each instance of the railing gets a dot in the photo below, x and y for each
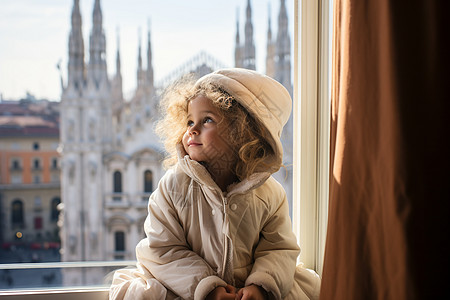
(34, 288)
(74, 264)
(117, 200)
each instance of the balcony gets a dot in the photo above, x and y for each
(117, 200)
(141, 200)
(16, 169)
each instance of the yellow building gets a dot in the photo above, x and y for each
(29, 173)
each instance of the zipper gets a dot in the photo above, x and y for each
(226, 223)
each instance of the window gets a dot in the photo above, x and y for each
(311, 128)
(36, 146)
(36, 164)
(308, 95)
(17, 213)
(119, 245)
(117, 182)
(16, 178)
(37, 202)
(148, 181)
(119, 238)
(54, 163)
(15, 164)
(54, 213)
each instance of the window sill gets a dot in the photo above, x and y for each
(94, 293)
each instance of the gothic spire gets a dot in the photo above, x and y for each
(149, 59)
(118, 69)
(97, 73)
(117, 82)
(76, 50)
(249, 45)
(283, 49)
(237, 47)
(139, 73)
(238, 39)
(270, 52)
(269, 27)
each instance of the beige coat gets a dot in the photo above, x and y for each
(199, 238)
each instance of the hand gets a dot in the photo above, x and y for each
(222, 293)
(252, 292)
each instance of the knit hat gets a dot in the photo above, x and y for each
(266, 99)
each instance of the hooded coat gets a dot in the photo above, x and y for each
(199, 237)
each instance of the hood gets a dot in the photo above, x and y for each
(265, 99)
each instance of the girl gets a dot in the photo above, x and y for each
(218, 225)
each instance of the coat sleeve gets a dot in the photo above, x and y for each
(276, 253)
(166, 253)
(136, 283)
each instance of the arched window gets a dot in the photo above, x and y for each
(119, 241)
(148, 181)
(117, 178)
(17, 213)
(119, 245)
(54, 213)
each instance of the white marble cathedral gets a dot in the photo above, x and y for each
(111, 158)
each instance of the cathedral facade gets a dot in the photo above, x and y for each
(111, 159)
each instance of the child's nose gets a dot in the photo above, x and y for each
(194, 130)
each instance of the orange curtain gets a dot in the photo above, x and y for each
(388, 227)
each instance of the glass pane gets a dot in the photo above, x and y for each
(148, 181)
(117, 182)
(85, 143)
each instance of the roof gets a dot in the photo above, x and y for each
(31, 119)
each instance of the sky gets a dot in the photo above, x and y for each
(34, 37)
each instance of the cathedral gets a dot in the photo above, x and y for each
(110, 155)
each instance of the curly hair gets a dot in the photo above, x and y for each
(250, 139)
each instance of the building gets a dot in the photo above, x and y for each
(29, 173)
(278, 66)
(111, 158)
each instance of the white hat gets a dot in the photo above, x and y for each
(265, 98)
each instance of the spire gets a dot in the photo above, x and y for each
(269, 30)
(249, 46)
(283, 49)
(97, 73)
(270, 52)
(238, 39)
(76, 65)
(149, 59)
(117, 82)
(237, 47)
(118, 69)
(139, 73)
(139, 52)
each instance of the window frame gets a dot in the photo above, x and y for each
(150, 182)
(312, 73)
(117, 182)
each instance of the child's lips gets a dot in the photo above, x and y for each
(194, 144)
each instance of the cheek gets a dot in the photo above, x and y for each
(184, 140)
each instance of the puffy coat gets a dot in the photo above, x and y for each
(199, 238)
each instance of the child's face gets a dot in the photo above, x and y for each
(205, 139)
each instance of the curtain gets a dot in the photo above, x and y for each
(388, 226)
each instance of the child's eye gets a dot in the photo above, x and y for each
(190, 123)
(208, 120)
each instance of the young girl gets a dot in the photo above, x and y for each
(218, 225)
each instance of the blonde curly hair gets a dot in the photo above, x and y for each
(250, 139)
